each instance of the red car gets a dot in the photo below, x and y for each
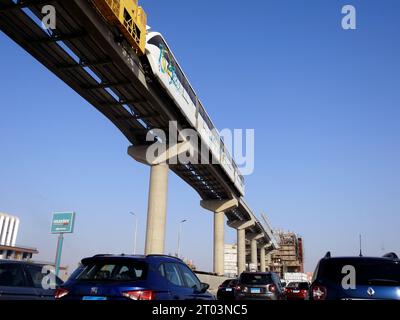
(297, 290)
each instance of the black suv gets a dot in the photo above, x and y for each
(356, 278)
(226, 291)
(21, 280)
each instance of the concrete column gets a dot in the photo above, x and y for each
(241, 250)
(15, 233)
(219, 207)
(2, 217)
(5, 230)
(262, 259)
(10, 231)
(219, 242)
(241, 227)
(157, 209)
(269, 259)
(254, 252)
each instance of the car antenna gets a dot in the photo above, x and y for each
(361, 254)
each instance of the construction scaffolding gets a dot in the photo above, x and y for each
(290, 255)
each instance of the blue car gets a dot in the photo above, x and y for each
(356, 278)
(123, 277)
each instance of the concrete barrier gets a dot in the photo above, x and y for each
(213, 280)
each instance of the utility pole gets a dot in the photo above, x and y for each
(178, 251)
(135, 235)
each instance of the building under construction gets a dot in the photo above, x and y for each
(290, 255)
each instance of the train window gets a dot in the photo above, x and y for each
(201, 111)
(156, 41)
(206, 118)
(160, 43)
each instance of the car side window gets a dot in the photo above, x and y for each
(189, 277)
(11, 275)
(315, 275)
(37, 275)
(171, 273)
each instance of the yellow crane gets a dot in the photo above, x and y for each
(128, 17)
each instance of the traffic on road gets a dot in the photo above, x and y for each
(162, 277)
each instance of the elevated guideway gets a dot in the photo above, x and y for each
(85, 54)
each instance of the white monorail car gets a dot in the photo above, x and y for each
(170, 75)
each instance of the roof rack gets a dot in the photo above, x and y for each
(391, 255)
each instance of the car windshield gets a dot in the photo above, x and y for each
(113, 271)
(256, 278)
(233, 283)
(226, 283)
(298, 285)
(367, 271)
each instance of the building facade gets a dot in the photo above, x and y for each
(289, 258)
(9, 226)
(230, 260)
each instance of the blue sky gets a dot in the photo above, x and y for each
(324, 103)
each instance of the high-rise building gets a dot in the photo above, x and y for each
(9, 226)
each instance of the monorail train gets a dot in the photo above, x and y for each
(170, 75)
(130, 19)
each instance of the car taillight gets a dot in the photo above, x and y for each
(140, 295)
(319, 292)
(60, 292)
(272, 288)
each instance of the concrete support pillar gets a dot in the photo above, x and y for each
(241, 227)
(241, 250)
(219, 207)
(219, 242)
(157, 209)
(269, 259)
(262, 259)
(253, 244)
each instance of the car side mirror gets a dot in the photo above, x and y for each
(204, 287)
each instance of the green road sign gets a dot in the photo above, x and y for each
(63, 222)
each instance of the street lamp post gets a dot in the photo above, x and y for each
(136, 226)
(178, 251)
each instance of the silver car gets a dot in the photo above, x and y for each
(259, 286)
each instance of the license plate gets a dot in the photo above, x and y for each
(228, 289)
(255, 290)
(296, 291)
(94, 298)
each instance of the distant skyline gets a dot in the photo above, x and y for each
(324, 103)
